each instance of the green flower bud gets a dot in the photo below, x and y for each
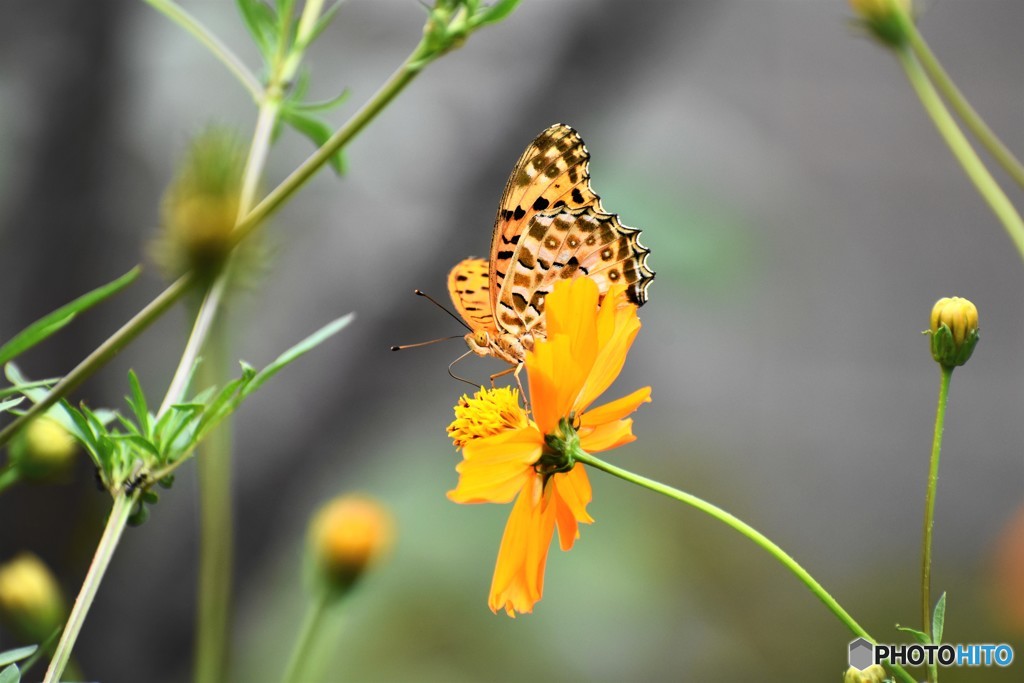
(954, 331)
(346, 536)
(30, 600)
(887, 20)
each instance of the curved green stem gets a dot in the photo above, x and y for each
(119, 514)
(962, 150)
(929, 505)
(751, 533)
(307, 637)
(178, 15)
(103, 353)
(988, 139)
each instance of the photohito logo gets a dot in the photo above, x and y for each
(863, 654)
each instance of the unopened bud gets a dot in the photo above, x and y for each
(30, 600)
(954, 331)
(200, 207)
(873, 674)
(348, 535)
(44, 450)
(887, 20)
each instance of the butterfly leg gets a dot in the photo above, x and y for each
(515, 371)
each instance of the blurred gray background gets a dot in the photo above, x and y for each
(803, 216)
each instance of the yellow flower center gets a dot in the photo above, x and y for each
(489, 412)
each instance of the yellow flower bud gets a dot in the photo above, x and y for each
(30, 600)
(348, 535)
(45, 449)
(954, 331)
(873, 674)
(887, 20)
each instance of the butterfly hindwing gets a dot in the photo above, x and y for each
(570, 243)
(468, 285)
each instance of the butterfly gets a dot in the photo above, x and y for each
(550, 226)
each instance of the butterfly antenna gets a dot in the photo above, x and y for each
(431, 299)
(418, 344)
(461, 379)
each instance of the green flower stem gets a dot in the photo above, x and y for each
(178, 15)
(9, 476)
(962, 150)
(307, 636)
(103, 353)
(216, 542)
(1003, 156)
(750, 532)
(929, 501)
(119, 514)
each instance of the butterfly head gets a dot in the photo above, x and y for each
(479, 342)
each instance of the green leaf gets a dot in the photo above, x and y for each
(9, 403)
(139, 442)
(35, 391)
(51, 323)
(42, 384)
(304, 346)
(261, 21)
(324, 21)
(919, 636)
(325, 105)
(496, 12)
(10, 675)
(939, 620)
(138, 403)
(12, 656)
(317, 130)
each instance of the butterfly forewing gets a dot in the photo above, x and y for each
(552, 173)
(550, 226)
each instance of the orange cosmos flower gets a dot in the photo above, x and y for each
(507, 455)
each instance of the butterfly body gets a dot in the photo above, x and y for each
(550, 226)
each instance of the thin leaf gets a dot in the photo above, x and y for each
(10, 675)
(317, 130)
(324, 21)
(12, 656)
(138, 403)
(325, 105)
(919, 636)
(41, 384)
(262, 25)
(8, 404)
(496, 12)
(50, 323)
(304, 346)
(939, 620)
(139, 442)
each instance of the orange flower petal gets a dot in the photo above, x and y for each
(572, 493)
(617, 409)
(495, 468)
(518, 581)
(606, 436)
(610, 359)
(555, 380)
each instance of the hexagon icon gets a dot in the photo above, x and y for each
(862, 654)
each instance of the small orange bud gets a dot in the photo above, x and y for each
(347, 535)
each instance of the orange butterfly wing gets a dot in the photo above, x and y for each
(468, 285)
